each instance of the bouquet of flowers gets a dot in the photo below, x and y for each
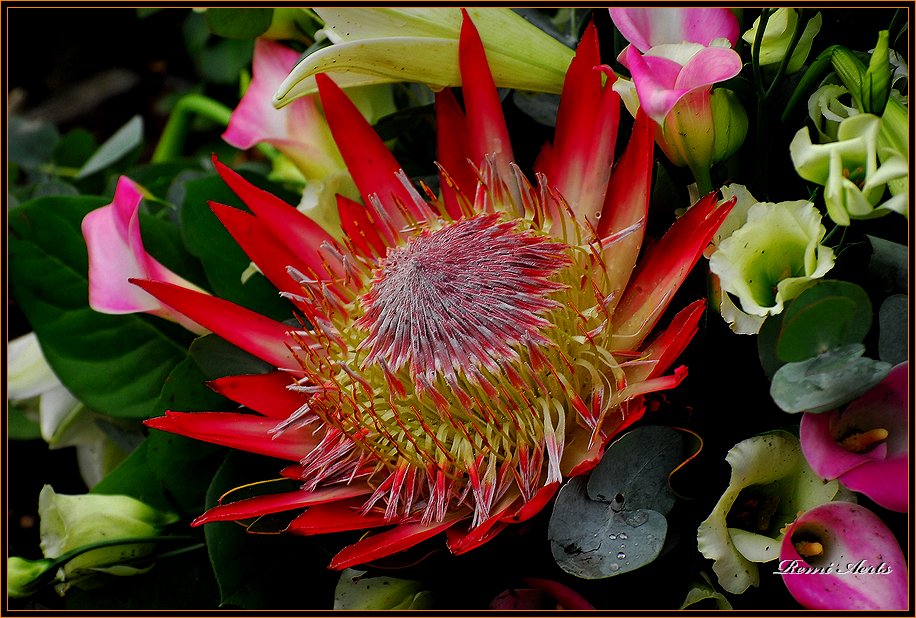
(441, 308)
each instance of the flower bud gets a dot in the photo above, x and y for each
(70, 522)
(780, 29)
(729, 123)
(21, 575)
(354, 591)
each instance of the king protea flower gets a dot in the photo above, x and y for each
(454, 358)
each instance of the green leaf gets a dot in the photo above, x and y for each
(184, 466)
(893, 335)
(889, 264)
(766, 344)
(31, 142)
(118, 146)
(239, 23)
(223, 260)
(21, 424)
(255, 571)
(809, 82)
(134, 477)
(633, 473)
(75, 148)
(114, 364)
(827, 315)
(589, 540)
(828, 381)
(222, 62)
(215, 357)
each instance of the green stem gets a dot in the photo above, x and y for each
(703, 177)
(55, 563)
(176, 129)
(761, 122)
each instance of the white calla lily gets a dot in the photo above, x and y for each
(384, 45)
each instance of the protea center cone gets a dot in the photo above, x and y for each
(457, 355)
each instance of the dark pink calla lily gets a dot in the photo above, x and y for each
(865, 446)
(117, 254)
(841, 556)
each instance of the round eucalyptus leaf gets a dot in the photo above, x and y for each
(892, 329)
(827, 381)
(827, 315)
(590, 540)
(633, 473)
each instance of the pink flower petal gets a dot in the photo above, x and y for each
(654, 78)
(707, 67)
(117, 254)
(298, 130)
(851, 535)
(647, 27)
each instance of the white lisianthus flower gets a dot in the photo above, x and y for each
(766, 254)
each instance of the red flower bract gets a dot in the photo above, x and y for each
(456, 358)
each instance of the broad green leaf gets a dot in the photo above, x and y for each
(134, 477)
(827, 315)
(31, 142)
(255, 571)
(827, 381)
(633, 473)
(892, 329)
(222, 62)
(184, 466)
(75, 148)
(239, 23)
(223, 260)
(889, 264)
(591, 541)
(215, 357)
(21, 424)
(115, 148)
(53, 186)
(114, 364)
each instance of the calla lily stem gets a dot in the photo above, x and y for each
(176, 129)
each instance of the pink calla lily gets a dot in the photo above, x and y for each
(647, 27)
(841, 556)
(865, 446)
(298, 130)
(675, 57)
(116, 254)
(662, 82)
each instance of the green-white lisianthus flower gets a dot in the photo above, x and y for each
(778, 34)
(356, 591)
(771, 483)
(854, 182)
(63, 420)
(827, 110)
(384, 45)
(70, 522)
(766, 254)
